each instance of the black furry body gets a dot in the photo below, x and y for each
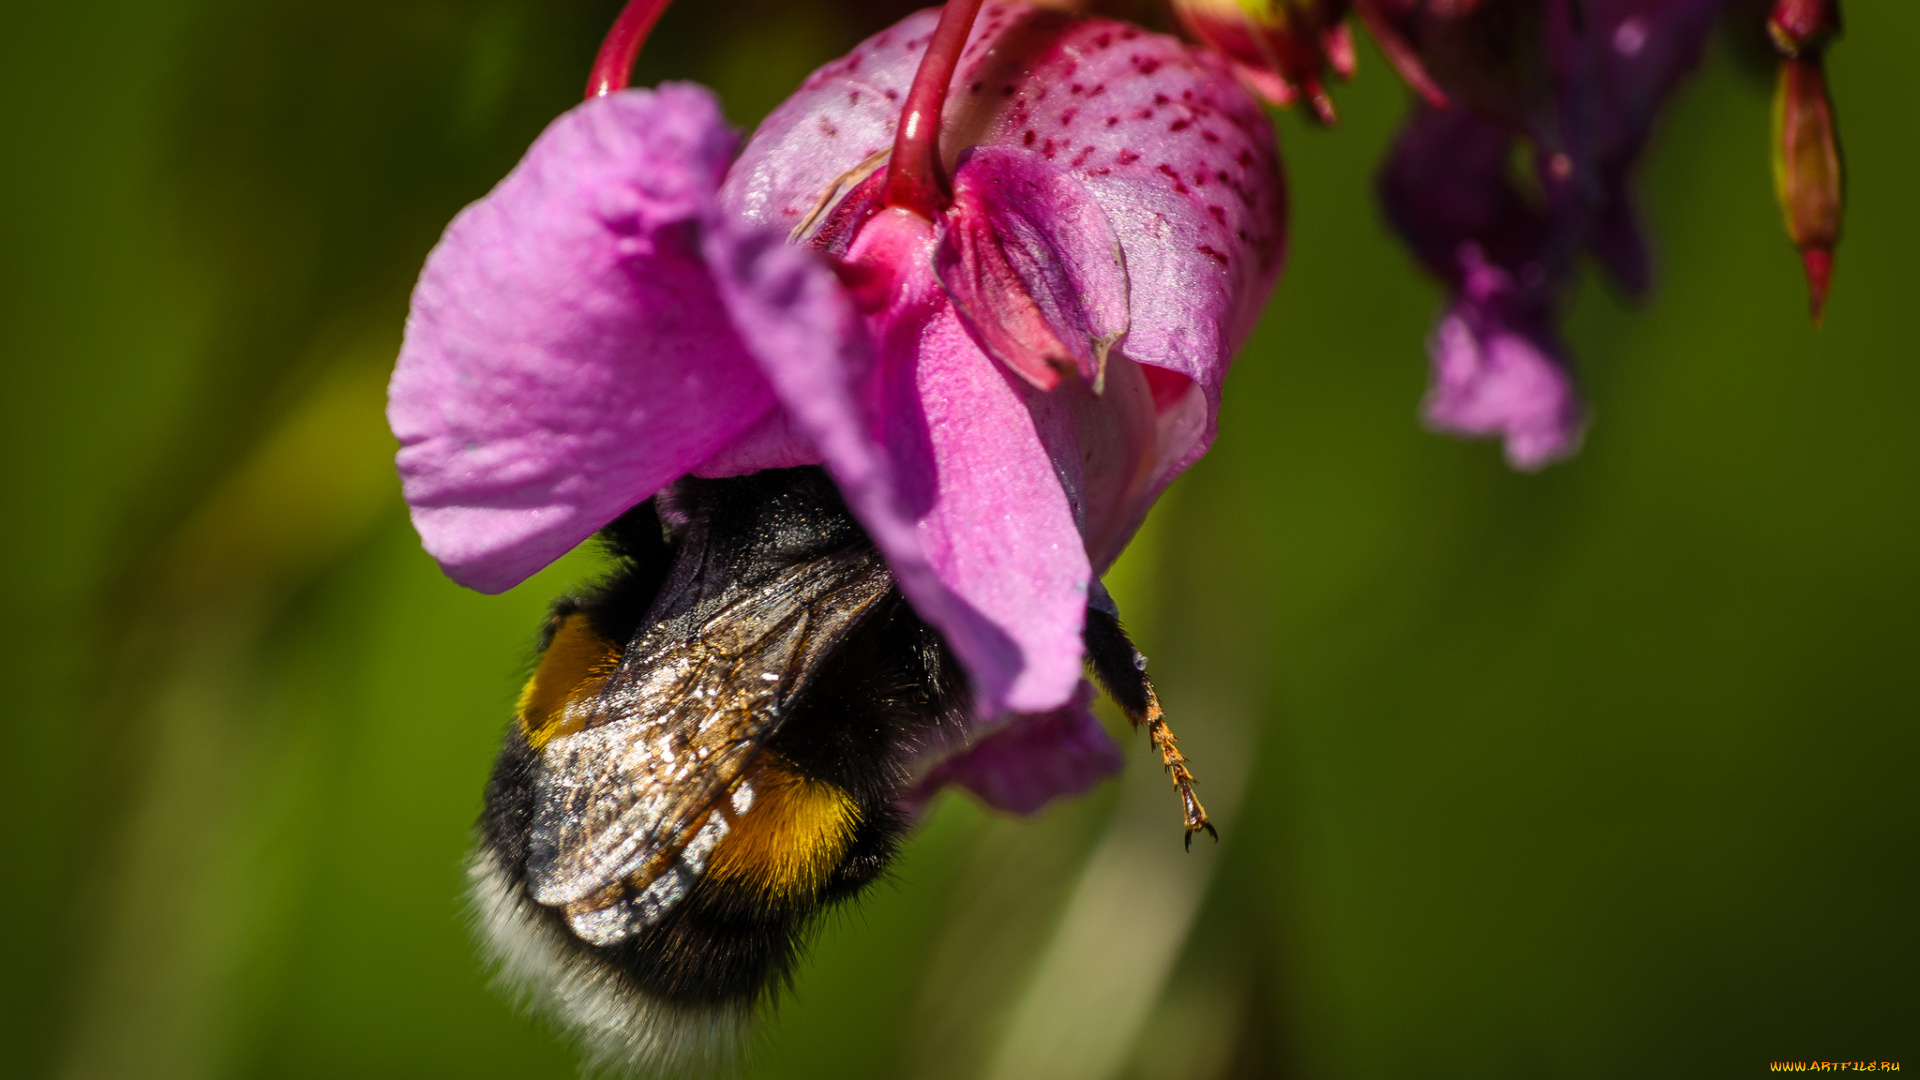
(888, 689)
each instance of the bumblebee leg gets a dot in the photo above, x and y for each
(1122, 672)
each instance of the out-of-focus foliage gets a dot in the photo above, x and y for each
(1605, 771)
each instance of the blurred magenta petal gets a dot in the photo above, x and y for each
(1283, 49)
(566, 354)
(1034, 760)
(1617, 241)
(1447, 183)
(1032, 264)
(1617, 67)
(1492, 379)
(1498, 367)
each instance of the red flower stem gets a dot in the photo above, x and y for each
(915, 179)
(613, 67)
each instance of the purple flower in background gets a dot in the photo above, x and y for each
(1498, 367)
(1502, 190)
(1002, 334)
(1518, 161)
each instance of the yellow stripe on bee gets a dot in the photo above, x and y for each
(792, 839)
(576, 666)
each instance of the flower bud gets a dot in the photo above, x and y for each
(1281, 49)
(1799, 26)
(1807, 169)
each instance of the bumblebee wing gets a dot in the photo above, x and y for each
(627, 807)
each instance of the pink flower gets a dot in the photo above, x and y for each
(1003, 338)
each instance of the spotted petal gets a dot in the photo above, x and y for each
(1160, 136)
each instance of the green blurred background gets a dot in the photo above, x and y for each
(1606, 771)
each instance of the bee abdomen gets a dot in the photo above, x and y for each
(792, 838)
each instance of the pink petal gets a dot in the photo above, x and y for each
(1106, 452)
(1491, 377)
(811, 344)
(1032, 761)
(1033, 267)
(567, 354)
(773, 442)
(993, 520)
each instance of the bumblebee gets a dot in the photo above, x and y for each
(709, 754)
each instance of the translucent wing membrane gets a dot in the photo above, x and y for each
(653, 773)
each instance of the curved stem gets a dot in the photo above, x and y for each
(915, 179)
(613, 67)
